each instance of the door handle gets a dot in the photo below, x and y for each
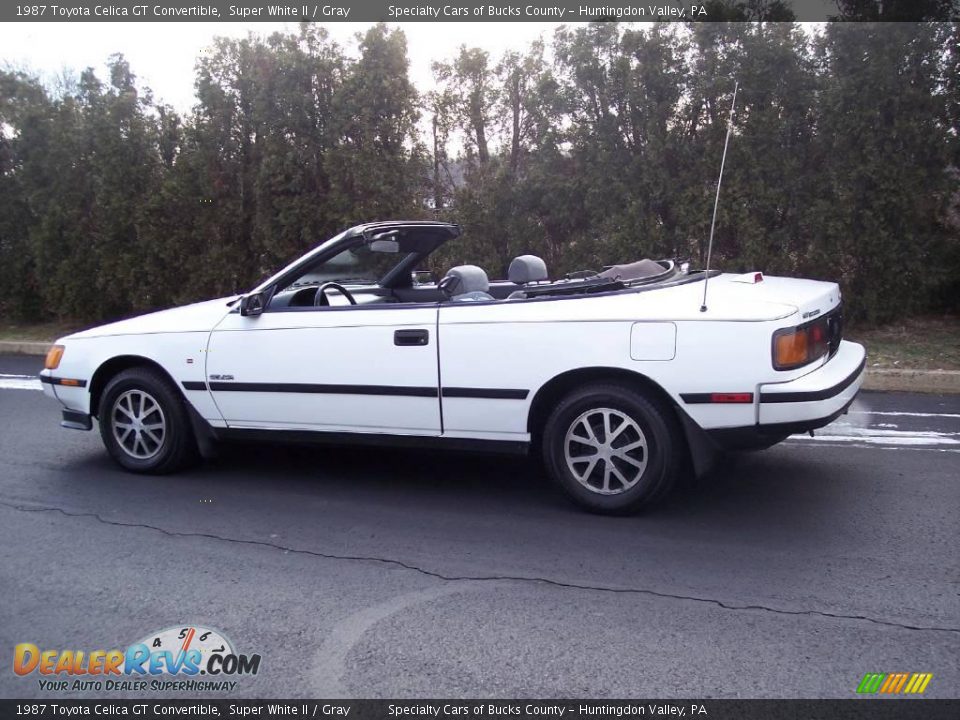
(411, 338)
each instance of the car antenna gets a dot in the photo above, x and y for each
(716, 200)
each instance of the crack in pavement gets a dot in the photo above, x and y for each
(476, 578)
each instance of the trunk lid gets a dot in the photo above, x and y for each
(810, 298)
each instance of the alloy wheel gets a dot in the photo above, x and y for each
(606, 451)
(139, 425)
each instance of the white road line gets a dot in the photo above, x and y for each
(905, 414)
(846, 429)
(900, 439)
(330, 669)
(881, 434)
(798, 442)
(7, 375)
(20, 383)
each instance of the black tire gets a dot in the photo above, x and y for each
(177, 446)
(654, 427)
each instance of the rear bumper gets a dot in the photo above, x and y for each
(807, 403)
(818, 394)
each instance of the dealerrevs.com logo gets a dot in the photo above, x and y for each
(187, 658)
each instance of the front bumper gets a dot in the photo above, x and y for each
(74, 420)
(807, 403)
(73, 395)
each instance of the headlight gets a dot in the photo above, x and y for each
(797, 346)
(53, 357)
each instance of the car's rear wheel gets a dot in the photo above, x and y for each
(144, 423)
(612, 449)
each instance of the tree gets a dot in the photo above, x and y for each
(378, 158)
(468, 82)
(883, 150)
(23, 104)
(600, 145)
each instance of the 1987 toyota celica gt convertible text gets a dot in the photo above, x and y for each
(617, 378)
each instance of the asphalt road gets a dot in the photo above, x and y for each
(373, 573)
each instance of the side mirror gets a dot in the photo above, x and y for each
(252, 305)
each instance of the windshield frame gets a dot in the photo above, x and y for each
(318, 272)
(358, 235)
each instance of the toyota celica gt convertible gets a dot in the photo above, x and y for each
(619, 378)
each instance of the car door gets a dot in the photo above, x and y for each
(493, 356)
(340, 369)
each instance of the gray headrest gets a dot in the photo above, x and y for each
(527, 268)
(469, 278)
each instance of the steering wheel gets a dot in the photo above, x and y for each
(320, 299)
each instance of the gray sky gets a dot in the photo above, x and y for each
(162, 54)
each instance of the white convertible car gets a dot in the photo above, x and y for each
(619, 378)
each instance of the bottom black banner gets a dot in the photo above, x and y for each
(867, 709)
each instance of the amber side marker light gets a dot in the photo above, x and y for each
(54, 354)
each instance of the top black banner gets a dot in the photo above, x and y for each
(561, 11)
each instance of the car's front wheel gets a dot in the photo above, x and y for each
(612, 449)
(144, 423)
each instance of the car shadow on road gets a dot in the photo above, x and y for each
(779, 486)
(747, 493)
(463, 475)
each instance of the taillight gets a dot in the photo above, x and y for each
(798, 346)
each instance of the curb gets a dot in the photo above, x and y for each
(18, 347)
(886, 379)
(918, 381)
